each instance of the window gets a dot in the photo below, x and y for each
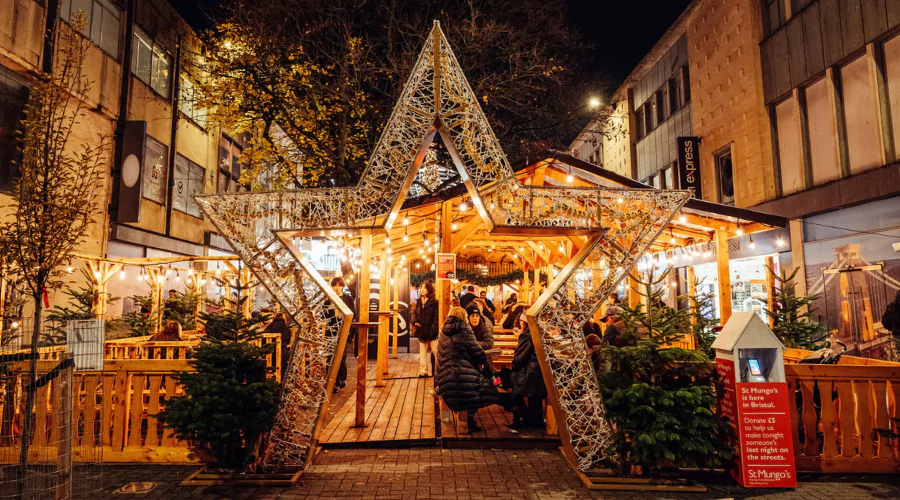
(188, 103)
(102, 22)
(860, 116)
(639, 124)
(649, 116)
(823, 146)
(150, 63)
(155, 175)
(674, 91)
(229, 166)
(13, 97)
(685, 85)
(188, 183)
(790, 150)
(660, 97)
(773, 15)
(669, 178)
(892, 71)
(725, 177)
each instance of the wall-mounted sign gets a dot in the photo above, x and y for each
(689, 165)
(445, 268)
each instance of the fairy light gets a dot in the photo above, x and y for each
(463, 207)
(454, 226)
(682, 218)
(779, 241)
(752, 244)
(406, 221)
(122, 274)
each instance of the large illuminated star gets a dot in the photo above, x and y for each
(438, 102)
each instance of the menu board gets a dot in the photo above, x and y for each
(767, 447)
(445, 268)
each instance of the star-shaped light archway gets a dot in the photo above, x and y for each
(438, 102)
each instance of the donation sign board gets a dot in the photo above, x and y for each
(445, 266)
(767, 447)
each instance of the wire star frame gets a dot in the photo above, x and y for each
(437, 101)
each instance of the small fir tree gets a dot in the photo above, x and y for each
(660, 400)
(791, 325)
(228, 402)
(183, 309)
(701, 317)
(140, 323)
(79, 306)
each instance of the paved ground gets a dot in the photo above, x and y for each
(464, 474)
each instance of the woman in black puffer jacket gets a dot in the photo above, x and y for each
(462, 380)
(527, 382)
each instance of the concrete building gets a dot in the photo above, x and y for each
(794, 106)
(141, 67)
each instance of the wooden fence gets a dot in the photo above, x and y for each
(844, 416)
(113, 410)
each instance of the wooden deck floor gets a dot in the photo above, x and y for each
(405, 411)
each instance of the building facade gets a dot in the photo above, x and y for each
(794, 105)
(142, 66)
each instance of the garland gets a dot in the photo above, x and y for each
(417, 279)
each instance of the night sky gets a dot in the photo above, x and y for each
(621, 31)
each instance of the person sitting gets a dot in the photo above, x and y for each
(463, 380)
(613, 334)
(486, 314)
(595, 348)
(591, 327)
(527, 382)
(170, 333)
(466, 298)
(510, 301)
(484, 332)
(489, 308)
(511, 320)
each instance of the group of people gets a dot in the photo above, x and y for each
(464, 374)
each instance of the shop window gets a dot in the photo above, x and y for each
(151, 63)
(13, 97)
(188, 183)
(790, 152)
(725, 176)
(860, 116)
(188, 103)
(102, 22)
(822, 133)
(892, 71)
(155, 174)
(230, 166)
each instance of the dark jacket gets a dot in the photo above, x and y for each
(280, 326)
(890, 320)
(427, 317)
(331, 316)
(466, 299)
(484, 332)
(512, 317)
(592, 327)
(461, 380)
(526, 376)
(490, 305)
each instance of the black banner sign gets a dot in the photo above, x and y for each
(689, 165)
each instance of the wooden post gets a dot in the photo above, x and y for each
(384, 289)
(363, 333)
(770, 286)
(724, 274)
(692, 292)
(396, 310)
(443, 286)
(64, 446)
(634, 296)
(155, 278)
(247, 292)
(526, 286)
(798, 260)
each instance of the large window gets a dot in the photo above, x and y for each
(660, 97)
(155, 174)
(823, 146)
(863, 145)
(674, 85)
(102, 22)
(892, 70)
(188, 102)
(639, 132)
(188, 183)
(685, 85)
(151, 63)
(725, 176)
(790, 152)
(13, 96)
(230, 166)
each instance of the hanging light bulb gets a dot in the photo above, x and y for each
(779, 241)
(671, 236)
(177, 276)
(387, 240)
(69, 269)
(621, 200)
(492, 205)
(453, 226)
(463, 207)
(521, 249)
(190, 272)
(682, 218)
(569, 178)
(739, 231)
(405, 221)
(15, 324)
(218, 271)
(122, 274)
(752, 244)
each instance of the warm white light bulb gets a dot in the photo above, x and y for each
(406, 221)
(453, 226)
(779, 241)
(405, 237)
(682, 219)
(570, 179)
(621, 200)
(739, 231)
(463, 207)
(121, 275)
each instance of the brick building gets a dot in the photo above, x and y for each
(794, 104)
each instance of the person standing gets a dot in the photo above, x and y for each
(427, 326)
(279, 325)
(489, 304)
(510, 301)
(527, 382)
(467, 298)
(463, 380)
(890, 320)
(338, 285)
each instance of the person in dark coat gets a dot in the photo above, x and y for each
(510, 301)
(591, 327)
(427, 326)
(463, 381)
(279, 325)
(467, 298)
(337, 284)
(484, 332)
(511, 320)
(890, 320)
(527, 382)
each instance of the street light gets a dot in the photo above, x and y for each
(594, 102)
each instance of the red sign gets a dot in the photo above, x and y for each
(445, 266)
(767, 447)
(727, 407)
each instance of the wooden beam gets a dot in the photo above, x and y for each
(724, 275)
(459, 238)
(443, 286)
(544, 254)
(798, 259)
(384, 280)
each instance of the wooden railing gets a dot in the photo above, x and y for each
(843, 416)
(113, 411)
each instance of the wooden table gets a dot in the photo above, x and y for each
(362, 345)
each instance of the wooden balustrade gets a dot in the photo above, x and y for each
(843, 416)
